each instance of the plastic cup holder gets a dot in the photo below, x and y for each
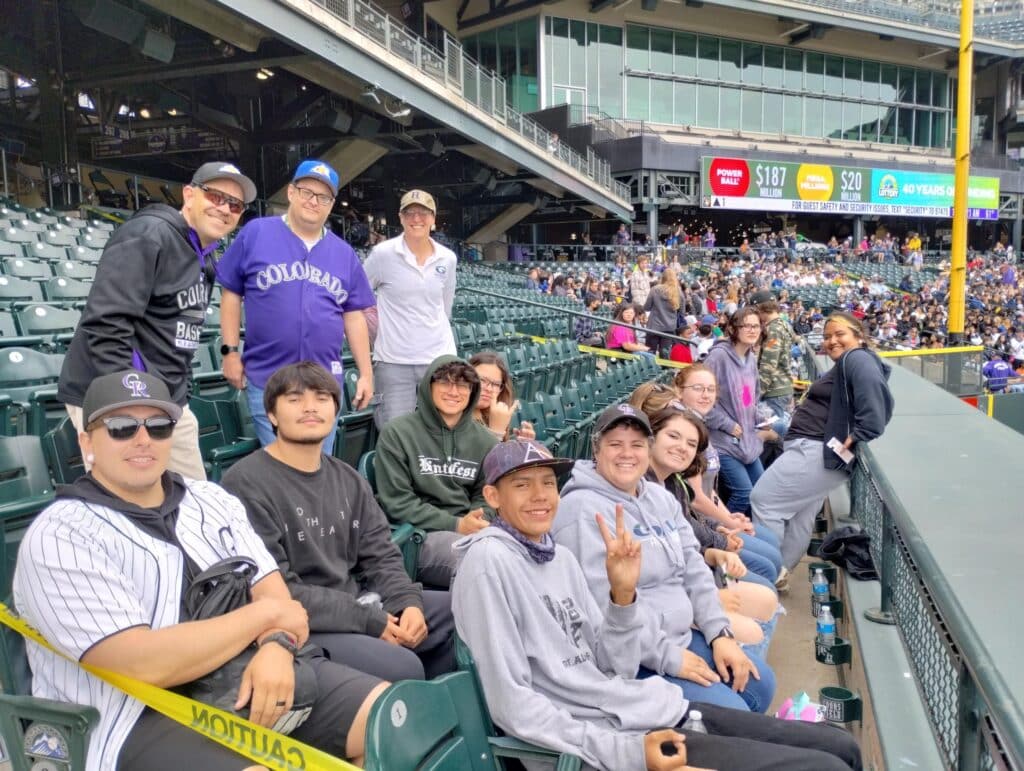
(839, 653)
(821, 525)
(841, 704)
(814, 547)
(830, 571)
(834, 604)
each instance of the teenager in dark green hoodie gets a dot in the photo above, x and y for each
(428, 465)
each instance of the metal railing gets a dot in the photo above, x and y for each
(934, 15)
(465, 78)
(957, 371)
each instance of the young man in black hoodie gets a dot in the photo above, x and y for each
(319, 520)
(147, 305)
(101, 574)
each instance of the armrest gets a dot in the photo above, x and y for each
(237, 449)
(401, 533)
(508, 747)
(77, 720)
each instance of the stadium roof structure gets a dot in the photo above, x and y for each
(998, 25)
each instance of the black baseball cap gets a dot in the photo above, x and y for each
(224, 170)
(129, 388)
(622, 413)
(762, 296)
(506, 457)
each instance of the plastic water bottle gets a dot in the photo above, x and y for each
(695, 722)
(819, 588)
(826, 627)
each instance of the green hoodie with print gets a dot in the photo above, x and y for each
(429, 474)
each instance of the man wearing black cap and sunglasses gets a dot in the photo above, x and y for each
(101, 574)
(147, 305)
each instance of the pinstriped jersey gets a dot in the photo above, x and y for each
(86, 572)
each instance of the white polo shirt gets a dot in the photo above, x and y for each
(86, 572)
(414, 302)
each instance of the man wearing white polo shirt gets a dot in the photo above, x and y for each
(413, 277)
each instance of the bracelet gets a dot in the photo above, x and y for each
(283, 639)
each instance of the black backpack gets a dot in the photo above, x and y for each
(850, 548)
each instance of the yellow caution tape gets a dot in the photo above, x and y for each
(931, 351)
(259, 744)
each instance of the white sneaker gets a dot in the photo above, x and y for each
(782, 582)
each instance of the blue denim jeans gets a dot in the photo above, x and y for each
(740, 478)
(264, 431)
(756, 697)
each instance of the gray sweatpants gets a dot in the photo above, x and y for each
(790, 493)
(396, 386)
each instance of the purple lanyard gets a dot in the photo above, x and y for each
(201, 253)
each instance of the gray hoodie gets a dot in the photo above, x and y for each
(739, 390)
(676, 589)
(555, 669)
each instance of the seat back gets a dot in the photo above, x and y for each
(14, 289)
(22, 268)
(367, 470)
(24, 371)
(25, 490)
(63, 455)
(43, 319)
(429, 726)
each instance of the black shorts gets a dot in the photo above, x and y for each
(157, 743)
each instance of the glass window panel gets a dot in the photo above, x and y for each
(794, 70)
(889, 82)
(731, 51)
(887, 126)
(488, 57)
(686, 54)
(852, 80)
(834, 75)
(638, 100)
(523, 84)
(729, 116)
(851, 122)
(939, 130)
(814, 78)
(833, 119)
(793, 115)
(610, 67)
(707, 105)
(906, 90)
(577, 54)
(870, 114)
(772, 113)
(707, 55)
(813, 123)
(940, 90)
(773, 59)
(593, 67)
(924, 87)
(661, 101)
(560, 27)
(753, 56)
(752, 111)
(869, 80)
(905, 127)
(638, 55)
(923, 127)
(661, 51)
(686, 104)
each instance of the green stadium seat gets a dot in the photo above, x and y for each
(94, 240)
(63, 455)
(41, 252)
(61, 237)
(79, 271)
(9, 335)
(357, 433)
(50, 320)
(221, 438)
(19, 267)
(14, 289)
(29, 377)
(8, 249)
(17, 235)
(62, 289)
(25, 485)
(85, 254)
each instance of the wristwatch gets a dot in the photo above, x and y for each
(226, 349)
(726, 632)
(282, 639)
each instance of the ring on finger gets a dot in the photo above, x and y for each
(281, 703)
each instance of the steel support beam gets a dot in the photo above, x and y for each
(349, 54)
(117, 76)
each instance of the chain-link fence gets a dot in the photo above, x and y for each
(957, 371)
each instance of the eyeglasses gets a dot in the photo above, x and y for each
(322, 199)
(121, 428)
(749, 326)
(702, 389)
(492, 385)
(459, 385)
(217, 198)
(416, 213)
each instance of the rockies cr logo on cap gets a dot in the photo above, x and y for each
(135, 385)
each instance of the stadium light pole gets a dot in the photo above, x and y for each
(964, 108)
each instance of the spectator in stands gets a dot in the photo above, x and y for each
(100, 574)
(620, 338)
(497, 403)
(996, 370)
(662, 307)
(583, 330)
(533, 279)
(680, 439)
(148, 302)
(733, 419)
(696, 389)
(304, 291)
(684, 352)
(332, 543)
(640, 282)
(773, 361)
(557, 666)
(428, 464)
(707, 338)
(850, 403)
(622, 237)
(674, 576)
(414, 278)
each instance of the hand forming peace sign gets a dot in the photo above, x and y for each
(623, 559)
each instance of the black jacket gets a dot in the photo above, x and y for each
(149, 297)
(861, 404)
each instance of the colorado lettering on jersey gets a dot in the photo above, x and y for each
(196, 296)
(454, 467)
(282, 273)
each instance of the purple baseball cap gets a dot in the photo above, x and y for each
(506, 457)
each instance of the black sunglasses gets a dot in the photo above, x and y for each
(122, 428)
(217, 198)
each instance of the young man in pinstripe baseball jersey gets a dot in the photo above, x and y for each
(101, 573)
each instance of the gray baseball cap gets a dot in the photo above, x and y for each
(224, 170)
(129, 388)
